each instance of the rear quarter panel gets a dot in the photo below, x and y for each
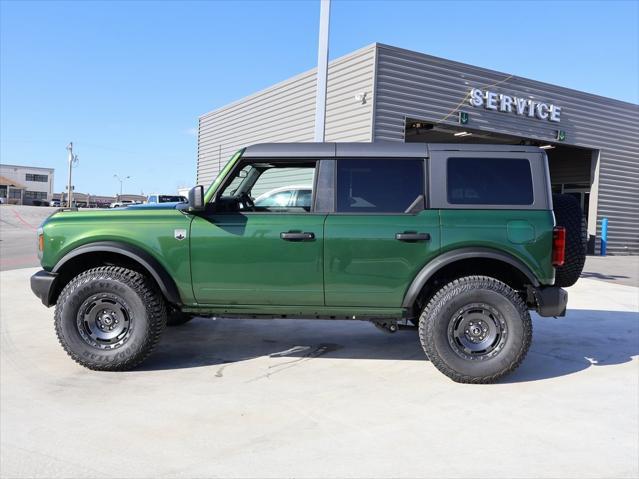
(524, 234)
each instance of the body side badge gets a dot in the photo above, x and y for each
(179, 234)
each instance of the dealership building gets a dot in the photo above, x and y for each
(383, 93)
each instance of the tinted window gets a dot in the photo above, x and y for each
(489, 181)
(304, 198)
(380, 185)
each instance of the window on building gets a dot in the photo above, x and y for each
(380, 185)
(489, 181)
(35, 195)
(38, 178)
(15, 194)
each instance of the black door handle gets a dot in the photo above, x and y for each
(297, 236)
(411, 236)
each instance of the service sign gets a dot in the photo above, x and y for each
(512, 104)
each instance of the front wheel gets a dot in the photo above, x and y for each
(475, 329)
(109, 318)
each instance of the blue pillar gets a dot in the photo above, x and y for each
(604, 236)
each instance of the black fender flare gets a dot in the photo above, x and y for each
(457, 255)
(148, 262)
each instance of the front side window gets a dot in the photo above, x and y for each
(271, 186)
(489, 181)
(380, 185)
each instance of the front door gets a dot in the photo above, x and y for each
(254, 248)
(381, 233)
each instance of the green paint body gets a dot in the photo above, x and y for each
(237, 263)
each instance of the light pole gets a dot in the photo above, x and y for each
(72, 159)
(121, 180)
(322, 70)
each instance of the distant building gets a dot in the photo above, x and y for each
(26, 185)
(84, 200)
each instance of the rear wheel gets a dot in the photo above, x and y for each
(109, 318)
(569, 215)
(475, 329)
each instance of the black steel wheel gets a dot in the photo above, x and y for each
(104, 321)
(477, 332)
(109, 318)
(475, 329)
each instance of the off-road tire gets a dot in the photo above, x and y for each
(440, 313)
(569, 215)
(144, 308)
(177, 318)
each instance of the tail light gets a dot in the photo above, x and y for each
(558, 246)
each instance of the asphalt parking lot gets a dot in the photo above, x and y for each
(259, 398)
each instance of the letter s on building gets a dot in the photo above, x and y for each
(476, 97)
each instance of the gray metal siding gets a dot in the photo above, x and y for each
(414, 85)
(285, 113)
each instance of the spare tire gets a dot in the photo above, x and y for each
(569, 215)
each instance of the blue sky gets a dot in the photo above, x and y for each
(126, 81)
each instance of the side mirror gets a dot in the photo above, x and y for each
(196, 198)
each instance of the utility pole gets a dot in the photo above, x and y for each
(71, 159)
(322, 70)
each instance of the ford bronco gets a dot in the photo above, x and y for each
(457, 241)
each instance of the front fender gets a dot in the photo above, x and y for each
(148, 262)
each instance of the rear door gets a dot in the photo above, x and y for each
(381, 232)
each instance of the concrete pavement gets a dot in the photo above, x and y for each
(278, 398)
(18, 225)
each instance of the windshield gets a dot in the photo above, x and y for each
(222, 174)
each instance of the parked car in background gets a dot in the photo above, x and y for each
(55, 203)
(121, 204)
(156, 198)
(293, 196)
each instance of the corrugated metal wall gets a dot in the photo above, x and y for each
(411, 84)
(286, 112)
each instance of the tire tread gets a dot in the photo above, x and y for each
(152, 299)
(439, 300)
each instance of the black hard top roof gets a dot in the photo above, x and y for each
(385, 149)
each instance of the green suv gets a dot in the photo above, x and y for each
(457, 241)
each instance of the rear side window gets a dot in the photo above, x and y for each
(489, 181)
(380, 185)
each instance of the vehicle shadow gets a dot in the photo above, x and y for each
(583, 339)
(595, 275)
